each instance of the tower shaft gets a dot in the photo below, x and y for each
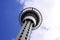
(30, 19)
(25, 31)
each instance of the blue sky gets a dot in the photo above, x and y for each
(9, 23)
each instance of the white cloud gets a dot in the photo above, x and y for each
(50, 10)
(21, 1)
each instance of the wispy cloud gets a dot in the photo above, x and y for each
(51, 22)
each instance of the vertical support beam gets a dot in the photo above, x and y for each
(29, 29)
(25, 31)
(23, 27)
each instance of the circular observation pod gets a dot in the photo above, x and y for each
(31, 14)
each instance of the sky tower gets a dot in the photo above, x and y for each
(30, 19)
